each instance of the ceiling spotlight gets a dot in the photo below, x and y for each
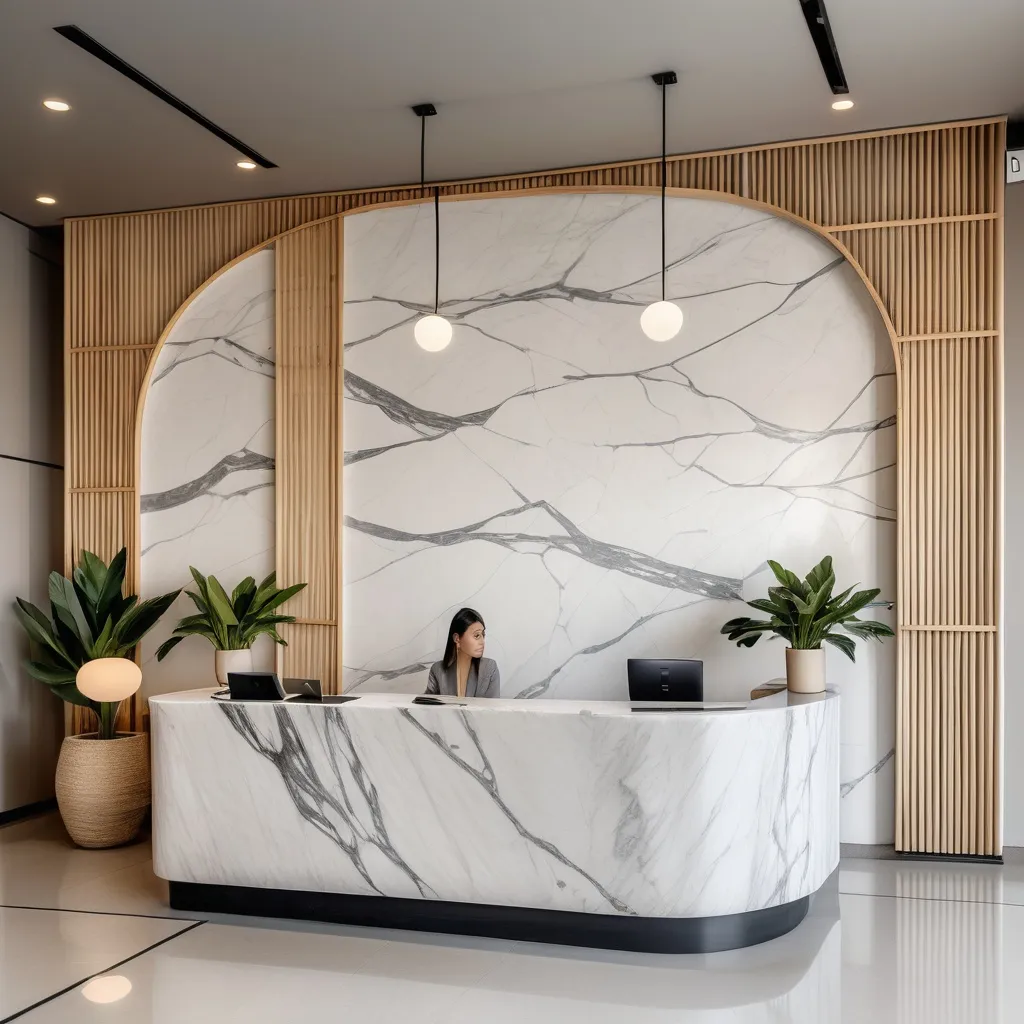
(246, 165)
(842, 104)
(46, 200)
(56, 105)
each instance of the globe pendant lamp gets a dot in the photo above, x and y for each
(432, 332)
(662, 320)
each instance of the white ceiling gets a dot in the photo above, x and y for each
(323, 87)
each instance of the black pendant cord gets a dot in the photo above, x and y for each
(664, 135)
(437, 246)
(423, 111)
(423, 153)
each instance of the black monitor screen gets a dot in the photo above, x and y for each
(660, 679)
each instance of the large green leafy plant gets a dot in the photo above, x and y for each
(232, 623)
(90, 617)
(805, 612)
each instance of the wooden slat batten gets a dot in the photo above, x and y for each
(309, 445)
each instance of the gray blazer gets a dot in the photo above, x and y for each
(483, 680)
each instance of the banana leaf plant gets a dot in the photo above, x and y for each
(232, 623)
(90, 617)
(805, 612)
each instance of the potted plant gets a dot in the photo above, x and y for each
(805, 612)
(232, 623)
(102, 777)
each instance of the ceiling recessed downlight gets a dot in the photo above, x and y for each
(54, 104)
(842, 104)
(46, 200)
(246, 165)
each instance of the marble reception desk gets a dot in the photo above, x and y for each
(562, 821)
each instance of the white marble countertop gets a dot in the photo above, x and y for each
(548, 804)
(604, 708)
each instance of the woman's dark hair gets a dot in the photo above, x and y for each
(464, 618)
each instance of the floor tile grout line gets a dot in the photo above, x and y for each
(96, 974)
(100, 913)
(923, 899)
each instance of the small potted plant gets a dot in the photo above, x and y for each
(83, 652)
(805, 612)
(232, 623)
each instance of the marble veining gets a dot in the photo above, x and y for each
(537, 804)
(598, 496)
(208, 457)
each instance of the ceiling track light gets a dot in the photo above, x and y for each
(663, 320)
(432, 332)
(820, 29)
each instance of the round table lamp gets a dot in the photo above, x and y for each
(109, 680)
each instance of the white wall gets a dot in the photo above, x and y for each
(1013, 609)
(31, 501)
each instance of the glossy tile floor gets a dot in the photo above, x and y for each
(86, 936)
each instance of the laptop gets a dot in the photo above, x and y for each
(310, 691)
(665, 679)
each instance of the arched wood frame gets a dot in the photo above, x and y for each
(917, 212)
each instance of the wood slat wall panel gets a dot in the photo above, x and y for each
(308, 425)
(312, 653)
(919, 209)
(101, 401)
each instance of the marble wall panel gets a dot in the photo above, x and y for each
(208, 459)
(598, 496)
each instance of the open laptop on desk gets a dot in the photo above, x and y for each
(671, 679)
(679, 680)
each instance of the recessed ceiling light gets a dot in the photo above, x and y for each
(246, 165)
(56, 105)
(842, 104)
(46, 200)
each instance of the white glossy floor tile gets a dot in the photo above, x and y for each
(44, 951)
(888, 942)
(934, 880)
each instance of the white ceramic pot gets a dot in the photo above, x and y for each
(231, 661)
(805, 670)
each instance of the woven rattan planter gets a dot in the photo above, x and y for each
(103, 787)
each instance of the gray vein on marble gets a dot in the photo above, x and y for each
(542, 686)
(242, 461)
(485, 777)
(328, 812)
(848, 787)
(560, 289)
(225, 344)
(575, 542)
(431, 425)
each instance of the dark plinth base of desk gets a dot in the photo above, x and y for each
(602, 931)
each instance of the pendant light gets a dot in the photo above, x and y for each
(432, 332)
(662, 320)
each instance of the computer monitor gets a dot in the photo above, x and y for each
(665, 679)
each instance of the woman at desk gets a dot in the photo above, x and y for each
(464, 671)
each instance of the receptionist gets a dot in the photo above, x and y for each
(464, 671)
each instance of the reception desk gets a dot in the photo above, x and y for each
(560, 821)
